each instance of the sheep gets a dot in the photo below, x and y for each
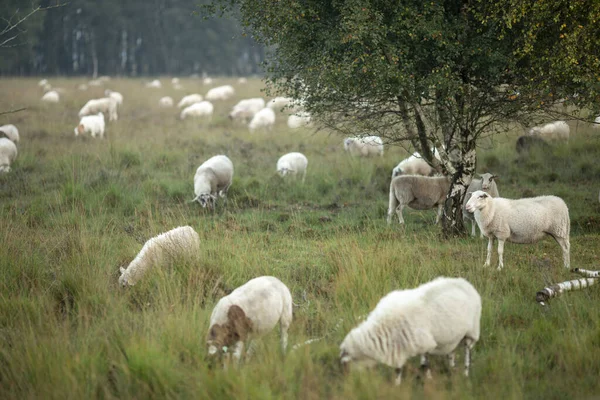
(526, 143)
(43, 82)
(160, 250)
(82, 87)
(558, 130)
(364, 146)
(155, 84)
(299, 120)
(213, 177)
(597, 122)
(118, 97)
(247, 108)
(419, 193)
(433, 318)
(487, 183)
(292, 164)
(220, 93)
(521, 221)
(11, 132)
(415, 165)
(202, 109)
(207, 81)
(242, 81)
(251, 310)
(278, 103)
(105, 105)
(265, 118)
(8, 154)
(51, 97)
(188, 100)
(175, 81)
(165, 102)
(92, 124)
(95, 82)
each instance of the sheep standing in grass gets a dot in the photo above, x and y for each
(8, 154)
(10, 132)
(521, 221)
(155, 84)
(278, 103)
(245, 109)
(487, 183)
(92, 124)
(251, 310)
(51, 97)
(364, 146)
(414, 165)
(419, 193)
(292, 164)
(434, 318)
(558, 130)
(160, 250)
(116, 96)
(202, 109)
(165, 102)
(188, 100)
(264, 119)
(220, 93)
(597, 122)
(105, 105)
(299, 120)
(213, 178)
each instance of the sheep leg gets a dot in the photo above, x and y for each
(425, 366)
(439, 214)
(473, 232)
(393, 205)
(488, 258)
(500, 253)
(304, 176)
(238, 351)
(468, 344)
(566, 247)
(452, 360)
(398, 379)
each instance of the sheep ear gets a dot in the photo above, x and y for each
(122, 270)
(495, 177)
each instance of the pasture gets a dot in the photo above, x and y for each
(74, 210)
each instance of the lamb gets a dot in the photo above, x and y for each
(213, 177)
(160, 250)
(8, 154)
(558, 130)
(247, 108)
(105, 105)
(251, 310)
(92, 124)
(188, 100)
(487, 183)
(415, 165)
(165, 102)
(220, 93)
(433, 318)
(292, 164)
(419, 193)
(155, 84)
(51, 97)
(299, 120)
(118, 97)
(202, 109)
(364, 146)
(265, 118)
(521, 221)
(10, 132)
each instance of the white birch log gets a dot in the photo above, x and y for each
(556, 290)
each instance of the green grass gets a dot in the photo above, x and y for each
(74, 210)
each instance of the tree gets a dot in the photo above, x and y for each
(428, 73)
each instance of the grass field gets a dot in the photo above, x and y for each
(74, 210)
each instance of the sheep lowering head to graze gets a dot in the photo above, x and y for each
(521, 221)
(557, 130)
(51, 97)
(245, 109)
(292, 164)
(264, 119)
(105, 105)
(364, 146)
(190, 99)
(487, 183)
(299, 120)
(10, 132)
(165, 102)
(92, 124)
(434, 318)
(415, 165)
(155, 84)
(417, 192)
(202, 109)
(212, 178)
(220, 93)
(116, 96)
(8, 154)
(160, 250)
(251, 310)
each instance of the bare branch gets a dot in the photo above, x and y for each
(10, 26)
(13, 111)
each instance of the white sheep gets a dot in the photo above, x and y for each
(51, 97)
(155, 84)
(220, 93)
(434, 318)
(558, 130)
(487, 183)
(82, 87)
(95, 82)
(264, 119)
(278, 103)
(175, 81)
(247, 108)
(92, 124)
(105, 105)
(415, 165)
(299, 120)
(207, 80)
(190, 99)
(521, 221)
(11, 132)
(364, 146)
(597, 122)
(242, 81)
(43, 82)
(8, 154)
(165, 102)
(118, 97)
(212, 178)
(252, 310)
(202, 109)
(417, 192)
(292, 164)
(162, 249)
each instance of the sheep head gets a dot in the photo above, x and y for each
(477, 201)
(486, 181)
(236, 329)
(124, 278)
(207, 199)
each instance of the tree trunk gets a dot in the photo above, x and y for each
(94, 56)
(452, 218)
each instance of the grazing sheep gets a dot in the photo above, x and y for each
(419, 193)
(207, 81)
(155, 84)
(558, 130)
(105, 105)
(242, 81)
(299, 120)
(521, 221)
(165, 102)
(43, 82)
(188, 100)
(246, 109)
(265, 118)
(92, 124)
(202, 109)
(251, 310)
(526, 143)
(51, 97)
(11, 132)
(415, 165)
(292, 164)
(278, 103)
(220, 93)
(160, 250)
(487, 183)
(213, 177)
(8, 154)
(118, 97)
(95, 82)
(364, 146)
(175, 81)
(434, 318)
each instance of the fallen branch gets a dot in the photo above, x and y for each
(556, 290)
(586, 273)
(13, 111)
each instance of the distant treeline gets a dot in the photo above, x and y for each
(123, 37)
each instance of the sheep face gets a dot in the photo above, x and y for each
(123, 279)
(477, 201)
(486, 181)
(347, 143)
(221, 337)
(207, 200)
(285, 171)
